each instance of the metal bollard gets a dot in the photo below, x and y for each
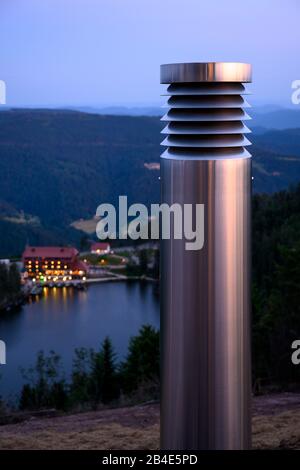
(205, 294)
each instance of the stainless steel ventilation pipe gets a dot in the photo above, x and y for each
(205, 294)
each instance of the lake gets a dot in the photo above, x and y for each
(65, 318)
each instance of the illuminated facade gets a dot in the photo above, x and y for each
(47, 264)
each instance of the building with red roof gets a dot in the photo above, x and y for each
(100, 248)
(53, 263)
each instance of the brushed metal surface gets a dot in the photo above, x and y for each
(207, 88)
(205, 294)
(206, 72)
(206, 101)
(205, 309)
(206, 128)
(178, 153)
(220, 140)
(205, 115)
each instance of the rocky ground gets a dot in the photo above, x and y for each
(276, 425)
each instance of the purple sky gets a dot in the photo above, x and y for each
(98, 52)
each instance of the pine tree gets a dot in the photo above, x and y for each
(106, 373)
(142, 363)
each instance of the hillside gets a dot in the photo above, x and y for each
(276, 425)
(57, 166)
(61, 165)
(264, 116)
(277, 118)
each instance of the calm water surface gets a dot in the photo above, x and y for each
(64, 319)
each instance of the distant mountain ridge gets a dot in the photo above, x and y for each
(279, 119)
(265, 117)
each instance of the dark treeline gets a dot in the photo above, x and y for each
(10, 284)
(97, 378)
(276, 286)
(147, 264)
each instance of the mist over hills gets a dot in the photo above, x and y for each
(57, 166)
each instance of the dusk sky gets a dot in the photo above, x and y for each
(108, 52)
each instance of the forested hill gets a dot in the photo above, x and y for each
(58, 166)
(61, 165)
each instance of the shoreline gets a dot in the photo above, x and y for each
(25, 295)
(120, 278)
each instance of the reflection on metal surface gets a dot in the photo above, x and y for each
(206, 115)
(206, 128)
(206, 72)
(207, 102)
(205, 304)
(177, 153)
(209, 88)
(209, 141)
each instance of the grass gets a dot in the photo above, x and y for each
(107, 260)
(124, 254)
(113, 436)
(280, 431)
(132, 428)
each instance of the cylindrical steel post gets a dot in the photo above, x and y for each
(205, 294)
